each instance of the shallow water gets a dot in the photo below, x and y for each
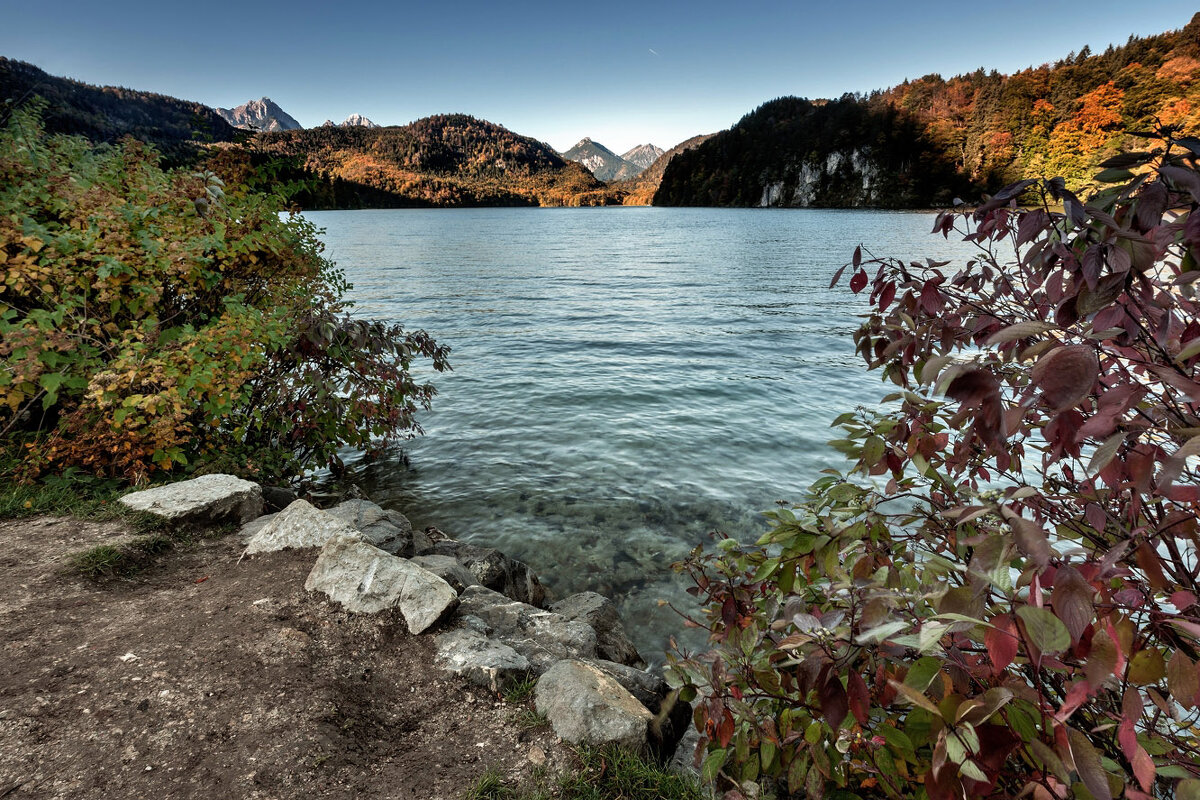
(626, 380)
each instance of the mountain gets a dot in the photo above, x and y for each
(358, 120)
(259, 115)
(640, 191)
(108, 113)
(445, 160)
(352, 121)
(923, 141)
(600, 161)
(643, 155)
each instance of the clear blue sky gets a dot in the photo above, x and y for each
(623, 73)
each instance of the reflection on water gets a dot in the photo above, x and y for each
(625, 382)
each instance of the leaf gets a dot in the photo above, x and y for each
(1044, 629)
(915, 697)
(1146, 667)
(881, 632)
(992, 701)
(1050, 760)
(1188, 789)
(1102, 660)
(1001, 642)
(859, 697)
(1020, 330)
(1032, 540)
(1066, 375)
(1072, 601)
(834, 703)
(1087, 764)
(1183, 679)
(858, 282)
(712, 764)
(1105, 453)
(922, 673)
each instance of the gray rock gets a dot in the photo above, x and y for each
(207, 500)
(543, 637)
(365, 579)
(647, 687)
(601, 613)
(483, 661)
(586, 706)
(255, 525)
(493, 569)
(683, 762)
(277, 498)
(387, 530)
(449, 570)
(299, 526)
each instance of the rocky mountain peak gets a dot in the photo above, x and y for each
(260, 115)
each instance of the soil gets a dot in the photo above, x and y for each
(208, 677)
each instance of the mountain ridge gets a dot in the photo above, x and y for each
(260, 115)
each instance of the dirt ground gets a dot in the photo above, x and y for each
(205, 677)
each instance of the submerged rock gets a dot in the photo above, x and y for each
(207, 500)
(365, 579)
(301, 525)
(586, 706)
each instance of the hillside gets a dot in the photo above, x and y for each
(108, 113)
(600, 161)
(445, 160)
(640, 191)
(924, 141)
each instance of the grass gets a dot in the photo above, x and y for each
(602, 773)
(520, 692)
(106, 561)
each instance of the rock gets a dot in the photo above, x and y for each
(365, 579)
(543, 637)
(493, 569)
(648, 688)
(601, 613)
(586, 706)
(203, 501)
(483, 661)
(449, 570)
(651, 690)
(683, 762)
(387, 530)
(299, 526)
(255, 525)
(277, 498)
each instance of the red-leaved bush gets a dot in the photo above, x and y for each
(1001, 599)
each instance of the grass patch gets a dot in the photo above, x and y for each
(520, 692)
(108, 561)
(602, 773)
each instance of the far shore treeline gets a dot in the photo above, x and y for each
(920, 144)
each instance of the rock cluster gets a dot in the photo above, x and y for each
(494, 631)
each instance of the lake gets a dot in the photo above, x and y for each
(626, 380)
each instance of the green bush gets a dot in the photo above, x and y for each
(153, 320)
(1001, 600)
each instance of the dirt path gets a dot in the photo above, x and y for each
(203, 677)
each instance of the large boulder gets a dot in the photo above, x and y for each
(586, 706)
(387, 530)
(543, 637)
(484, 661)
(601, 613)
(301, 525)
(493, 569)
(449, 570)
(365, 579)
(207, 500)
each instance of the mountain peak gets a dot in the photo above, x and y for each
(643, 155)
(260, 115)
(600, 161)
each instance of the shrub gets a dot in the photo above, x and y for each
(151, 320)
(1000, 599)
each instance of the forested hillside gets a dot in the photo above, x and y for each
(445, 160)
(108, 113)
(975, 132)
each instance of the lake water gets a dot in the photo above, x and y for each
(626, 380)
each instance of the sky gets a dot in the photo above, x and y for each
(622, 73)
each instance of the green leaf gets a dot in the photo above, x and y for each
(1045, 630)
(1087, 764)
(1188, 789)
(712, 764)
(922, 673)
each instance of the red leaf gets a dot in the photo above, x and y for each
(1072, 601)
(1066, 375)
(859, 281)
(834, 703)
(1001, 642)
(859, 697)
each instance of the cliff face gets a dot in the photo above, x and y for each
(797, 153)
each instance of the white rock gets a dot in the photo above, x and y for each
(365, 579)
(299, 526)
(585, 706)
(206, 500)
(481, 660)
